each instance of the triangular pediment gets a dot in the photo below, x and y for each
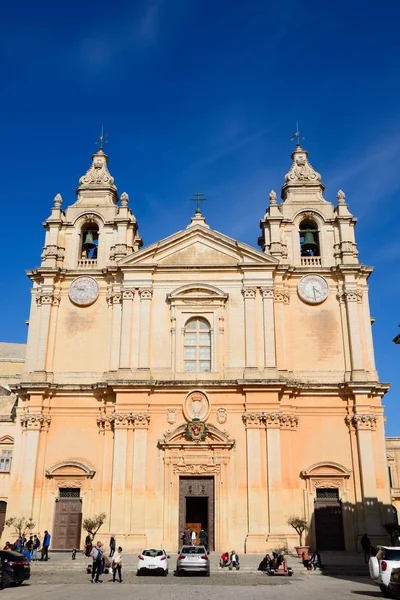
(197, 246)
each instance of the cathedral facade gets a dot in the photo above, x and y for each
(199, 381)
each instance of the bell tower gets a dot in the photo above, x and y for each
(314, 243)
(95, 231)
(83, 242)
(306, 230)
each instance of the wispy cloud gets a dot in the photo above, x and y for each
(104, 44)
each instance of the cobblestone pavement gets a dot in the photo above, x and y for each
(63, 585)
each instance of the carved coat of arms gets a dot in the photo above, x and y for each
(196, 430)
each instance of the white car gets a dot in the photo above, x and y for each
(381, 565)
(153, 560)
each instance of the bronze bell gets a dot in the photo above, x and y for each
(88, 244)
(309, 244)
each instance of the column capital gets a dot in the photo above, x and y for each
(282, 295)
(267, 292)
(249, 292)
(49, 299)
(146, 293)
(35, 421)
(254, 420)
(362, 422)
(128, 294)
(280, 420)
(114, 298)
(351, 296)
(123, 420)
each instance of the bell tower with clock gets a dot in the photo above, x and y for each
(314, 242)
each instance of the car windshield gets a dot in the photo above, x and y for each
(152, 553)
(193, 550)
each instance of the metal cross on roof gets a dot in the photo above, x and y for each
(198, 197)
(102, 139)
(298, 136)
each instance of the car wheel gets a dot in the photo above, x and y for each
(385, 591)
(208, 574)
(165, 573)
(19, 582)
(138, 573)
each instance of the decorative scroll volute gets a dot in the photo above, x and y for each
(366, 422)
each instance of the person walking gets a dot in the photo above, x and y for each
(193, 537)
(45, 547)
(186, 537)
(97, 566)
(366, 546)
(112, 545)
(203, 538)
(117, 564)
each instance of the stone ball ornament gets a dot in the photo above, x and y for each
(313, 289)
(84, 291)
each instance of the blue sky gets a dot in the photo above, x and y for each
(202, 94)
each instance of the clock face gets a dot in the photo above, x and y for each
(84, 291)
(313, 289)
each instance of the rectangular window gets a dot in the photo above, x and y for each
(5, 461)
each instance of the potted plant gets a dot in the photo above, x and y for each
(300, 525)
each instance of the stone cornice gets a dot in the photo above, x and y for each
(282, 386)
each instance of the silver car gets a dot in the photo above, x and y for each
(193, 559)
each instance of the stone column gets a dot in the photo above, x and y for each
(144, 331)
(257, 498)
(365, 425)
(115, 300)
(138, 535)
(32, 424)
(352, 298)
(249, 295)
(275, 422)
(120, 423)
(126, 329)
(267, 294)
(281, 297)
(274, 461)
(45, 301)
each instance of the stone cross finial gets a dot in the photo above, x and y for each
(57, 201)
(341, 197)
(272, 197)
(124, 199)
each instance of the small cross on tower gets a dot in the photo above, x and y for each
(198, 197)
(102, 139)
(298, 136)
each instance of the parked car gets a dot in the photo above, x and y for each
(15, 568)
(153, 560)
(193, 559)
(381, 565)
(394, 583)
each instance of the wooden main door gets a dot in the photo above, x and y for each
(196, 507)
(67, 523)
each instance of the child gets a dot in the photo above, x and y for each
(117, 564)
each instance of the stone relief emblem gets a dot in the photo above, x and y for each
(301, 170)
(98, 172)
(222, 415)
(171, 415)
(196, 406)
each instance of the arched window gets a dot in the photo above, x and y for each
(309, 238)
(197, 346)
(89, 241)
